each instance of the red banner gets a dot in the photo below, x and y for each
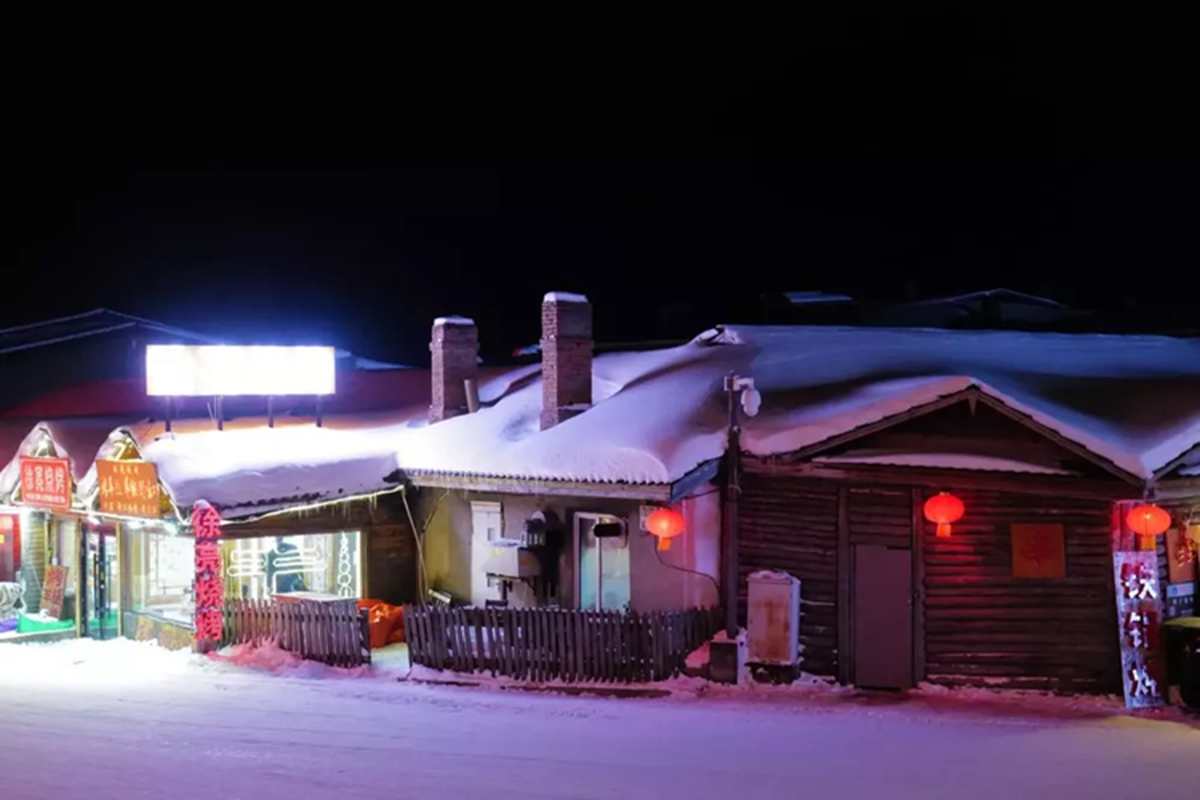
(1139, 621)
(46, 482)
(129, 487)
(210, 590)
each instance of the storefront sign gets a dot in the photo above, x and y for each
(46, 482)
(129, 487)
(1139, 620)
(1181, 557)
(182, 370)
(210, 589)
(54, 590)
(1181, 600)
(1037, 551)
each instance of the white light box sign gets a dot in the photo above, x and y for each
(231, 370)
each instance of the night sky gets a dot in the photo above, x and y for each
(345, 184)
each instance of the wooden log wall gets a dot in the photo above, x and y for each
(982, 626)
(791, 524)
(389, 549)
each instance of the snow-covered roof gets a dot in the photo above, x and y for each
(258, 469)
(1130, 400)
(564, 297)
(78, 439)
(658, 415)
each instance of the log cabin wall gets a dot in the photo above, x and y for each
(791, 525)
(983, 626)
(975, 624)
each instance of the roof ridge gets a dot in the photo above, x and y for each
(41, 323)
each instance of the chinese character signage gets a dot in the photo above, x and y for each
(210, 589)
(1181, 557)
(1181, 600)
(54, 590)
(1139, 618)
(46, 482)
(1037, 551)
(128, 487)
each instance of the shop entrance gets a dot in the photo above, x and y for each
(102, 590)
(603, 571)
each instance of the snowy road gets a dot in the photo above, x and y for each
(162, 725)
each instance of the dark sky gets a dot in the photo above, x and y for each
(348, 182)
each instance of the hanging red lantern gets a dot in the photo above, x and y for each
(1148, 521)
(944, 509)
(666, 524)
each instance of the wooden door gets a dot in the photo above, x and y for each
(883, 617)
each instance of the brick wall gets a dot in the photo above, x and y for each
(454, 357)
(566, 357)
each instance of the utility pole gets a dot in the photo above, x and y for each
(732, 491)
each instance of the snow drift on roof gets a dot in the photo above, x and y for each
(657, 415)
(564, 297)
(1130, 399)
(261, 469)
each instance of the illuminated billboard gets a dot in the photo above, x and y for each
(232, 370)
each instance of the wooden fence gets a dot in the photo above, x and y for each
(541, 644)
(332, 632)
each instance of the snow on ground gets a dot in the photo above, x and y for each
(121, 719)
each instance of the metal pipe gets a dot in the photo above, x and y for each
(472, 389)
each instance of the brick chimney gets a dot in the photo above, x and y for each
(454, 351)
(566, 357)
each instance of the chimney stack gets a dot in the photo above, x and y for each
(566, 357)
(454, 351)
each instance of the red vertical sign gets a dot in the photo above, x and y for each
(210, 590)
(46, 482)
(1139, 621)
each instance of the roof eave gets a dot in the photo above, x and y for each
(661, 492)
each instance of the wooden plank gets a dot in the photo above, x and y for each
(581, 635)
(845, 582)
(917, 532)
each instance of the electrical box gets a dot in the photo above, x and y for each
(773, 619)
(508, 559)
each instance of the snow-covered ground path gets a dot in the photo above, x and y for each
(120, 720)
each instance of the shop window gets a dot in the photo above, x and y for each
(327, 564)
(162, 567)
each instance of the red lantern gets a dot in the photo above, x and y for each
(666, 524)
(944, 509)
(1148, 521)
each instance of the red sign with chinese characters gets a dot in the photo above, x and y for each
(129, 487)
(1139, 620)
(46, 482)
(54, 591)
(210, 589)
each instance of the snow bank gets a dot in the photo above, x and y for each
(269, 657)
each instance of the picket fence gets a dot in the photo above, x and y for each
(541, 644)
(332, 632)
